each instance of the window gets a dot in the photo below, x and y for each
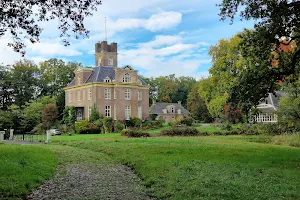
(79, 95)
(115, 94)
(127, 112)
(79, 80)
(139, 95)
(107, 93)
(70, 97)
(110, 61)
(107, 111)
(126, 78)
(90, 94)
(172, 109)
(99, 61)
(115, 112)
(127, 94)
(107, 80)
(90, 111)
(140, 115)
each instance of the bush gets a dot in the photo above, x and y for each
(134, 133)
(287, 139)
(94, 114)
(226, 126)
(84, 127)
(81, 126)
(118, 126)
(133, 122)
(149, 124)
(108, 123)
(188, 121)
(180, 131)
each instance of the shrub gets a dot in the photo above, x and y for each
(99, 123)
(180, 131)
(108, 124)
(84, 127)
(226, 126)
(287, 139)
(118, 126)
(94, 114)
(134, 133)
(81, 126)
(133, 122)
(188, 121)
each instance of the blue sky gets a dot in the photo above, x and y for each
(157, 37)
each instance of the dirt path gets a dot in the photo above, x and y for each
(80, 177)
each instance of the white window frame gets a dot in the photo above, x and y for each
(89, 93)
(79, 80)
(127, 94)
(126, 78)
(107, 111)
(70, 97)
(110, 61)
(127, 112)
(107, 93)
(115, 93)
(89, 111)
(140, 113)
(115, 112)
(79, 95)
(139, 95)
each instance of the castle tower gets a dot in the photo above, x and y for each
(106, 54)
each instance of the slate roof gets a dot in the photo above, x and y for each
(157, 108)
(273, 99)
(100, 73)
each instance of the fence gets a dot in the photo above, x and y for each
(25, 136)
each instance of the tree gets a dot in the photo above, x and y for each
(170, 88)
(50, 115)
(6, 97)
(69, 116)
(228, 65)
(278, 26)
(94, 114)
(24, 83)
(55, 75)
(197, 106)
(22, 19)
(33, 112)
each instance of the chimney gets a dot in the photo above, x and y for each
(179, 103)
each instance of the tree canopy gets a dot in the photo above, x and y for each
(277, 25)
(21, 19)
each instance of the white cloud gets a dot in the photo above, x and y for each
(161, 40)
(7, 55)
(165, 55)
(164, 20)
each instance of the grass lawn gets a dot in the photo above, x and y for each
(213, 167)
(22, 168)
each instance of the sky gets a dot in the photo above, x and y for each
(157, 37)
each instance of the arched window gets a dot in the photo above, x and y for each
(110, 61)
(126, 78)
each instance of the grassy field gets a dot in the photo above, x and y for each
(205, 167)
(24, 167)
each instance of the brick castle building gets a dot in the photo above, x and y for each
(117, 92)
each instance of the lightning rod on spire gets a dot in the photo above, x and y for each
(105, 29)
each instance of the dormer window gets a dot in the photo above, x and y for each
(107, 80)
(126, 78)
(172, 110)
(266, 101)
(110, 61)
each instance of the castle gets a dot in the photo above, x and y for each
(117, 92)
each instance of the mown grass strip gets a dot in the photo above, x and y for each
(23, 168)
